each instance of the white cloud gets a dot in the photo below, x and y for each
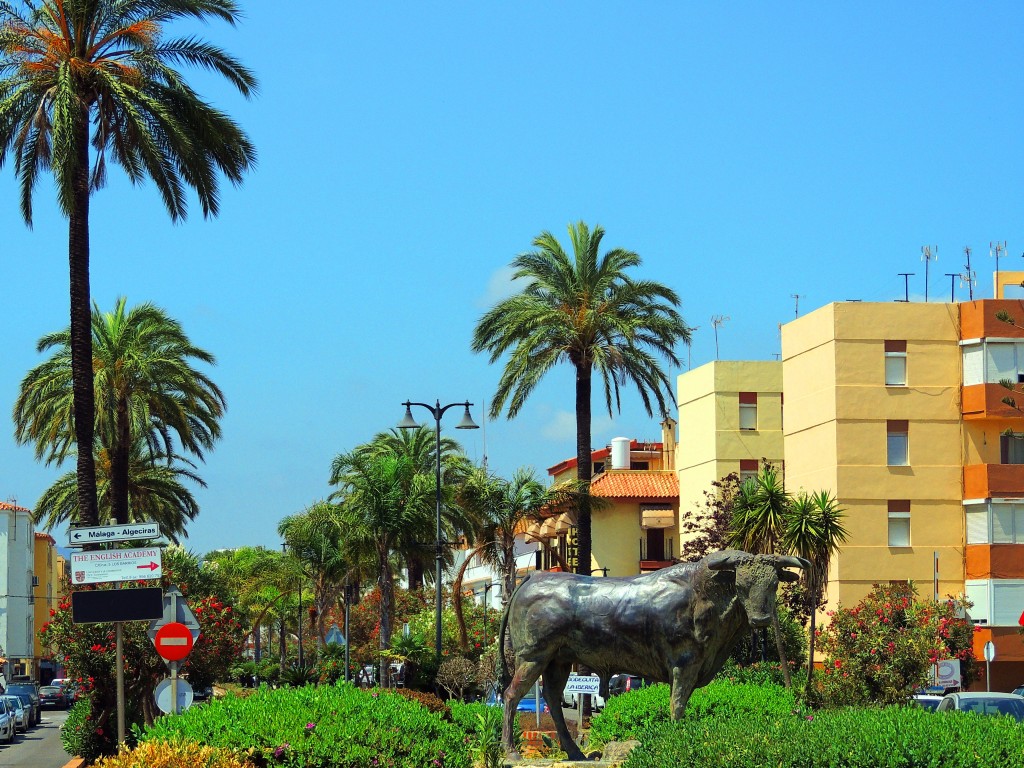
(562, 427)
(500, 286)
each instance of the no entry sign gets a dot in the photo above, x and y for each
(173, 641)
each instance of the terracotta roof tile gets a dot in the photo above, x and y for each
(5, 507)
(636, 484)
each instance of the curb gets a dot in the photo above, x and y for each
(75, 762)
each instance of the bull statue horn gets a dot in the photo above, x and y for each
(726, 560)
(792, 561)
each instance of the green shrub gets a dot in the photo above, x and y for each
(80, 735)
(319, 726)
(895, 737)
(158, 754)
(761, 673)
(428, 701)
(631, 714)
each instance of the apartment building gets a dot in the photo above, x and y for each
(48, 586)
(17, 622)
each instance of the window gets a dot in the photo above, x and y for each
(639, 465)
(899, 523)
(996, 601)
(1011, 448)
(748, 469)
(995, 523)
(897, 443)
(896, 363)
(748, 410)
(598, 468)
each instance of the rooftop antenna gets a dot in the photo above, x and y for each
(928, 256)
(797, 296)
(689, 349)
(906, 285)
(952, 285)
(997, 249)
(717, 321)
(968, 276)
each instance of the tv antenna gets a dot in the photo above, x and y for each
(716, 322)
(952, 285)
(997, 249)
(797, 297)
(928, 256)
(689, 349)
(906, 285)
(968, 276)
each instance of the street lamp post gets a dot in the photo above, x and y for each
(408, 422)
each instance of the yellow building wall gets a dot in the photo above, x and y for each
(836, 409)
(617, 548)
(48, 568)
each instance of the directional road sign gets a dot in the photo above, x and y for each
(77, 537)
(116, 565)
(173, 641)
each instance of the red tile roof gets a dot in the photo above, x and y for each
(5, 507)
(636, 484)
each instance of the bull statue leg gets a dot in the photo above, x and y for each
(526, 674)
(684, 680)
(555, 677)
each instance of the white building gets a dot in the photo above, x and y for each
(17, 626)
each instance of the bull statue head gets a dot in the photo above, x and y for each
(756, 578)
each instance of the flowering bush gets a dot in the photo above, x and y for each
(882, 649)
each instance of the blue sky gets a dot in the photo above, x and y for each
(407, 152)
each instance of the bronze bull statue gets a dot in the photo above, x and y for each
(676, 625)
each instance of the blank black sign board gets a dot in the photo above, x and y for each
(106, 605)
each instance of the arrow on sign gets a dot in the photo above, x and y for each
(150, 566)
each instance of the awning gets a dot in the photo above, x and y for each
(656, 517)
(564, 522)
(547, 531)
(533, 532)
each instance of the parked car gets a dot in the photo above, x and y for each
(8, 724)
(529, 702)
(622, 683)
(29, 693)
(984, 704)
(21, 713)
(52, 697)
(1019, 690)
(926, 701)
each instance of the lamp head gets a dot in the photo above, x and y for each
(408, 422)
(467, 420)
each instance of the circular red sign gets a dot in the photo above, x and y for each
(173, 641)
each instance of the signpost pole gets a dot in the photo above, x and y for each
(118, 634)
(174, 687)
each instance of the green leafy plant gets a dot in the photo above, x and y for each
(485, 747)
(298, 675)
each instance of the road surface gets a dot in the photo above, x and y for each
(40, 747)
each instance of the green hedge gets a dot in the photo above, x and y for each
(319, 726)
(895, 737)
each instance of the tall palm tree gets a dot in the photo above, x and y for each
(146, 388)
(814, 531)
(501, 508)
(585, 310)
(156, 492)
(419, 446)
(315, 539)
(68, 65)
(384, 501)
(759, 516)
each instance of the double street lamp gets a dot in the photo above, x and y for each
(408, 422)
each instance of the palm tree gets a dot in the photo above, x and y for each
(383, 501)
(501, 508)
(314, 538)
(66, 65)
(587, 311)
(419, 446)
(759, 516)
(145, 386)
(814, 531)
(156, 493)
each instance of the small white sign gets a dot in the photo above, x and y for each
(78, 537)
(116, 565)
(947, 673)
(162, 695)
(990, 651)
(583, 684)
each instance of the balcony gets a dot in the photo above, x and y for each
(978, 319)
(993, 481)
(985, 401)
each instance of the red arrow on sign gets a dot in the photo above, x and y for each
(173, 641)
(151, 566)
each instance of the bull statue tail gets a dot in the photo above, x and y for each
(505, 678)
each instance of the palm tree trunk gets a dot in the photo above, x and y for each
(119, 464)
(386, 599)
(783, 661)
(457, 595)
(584, 472)
(81, 331)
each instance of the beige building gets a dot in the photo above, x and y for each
(48, 587)
(730, 418)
